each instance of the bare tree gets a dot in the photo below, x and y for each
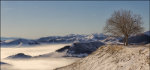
(124, 23)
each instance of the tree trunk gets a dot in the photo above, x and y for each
(125, 40)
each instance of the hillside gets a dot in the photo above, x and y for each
(79, 50)
(113, 57)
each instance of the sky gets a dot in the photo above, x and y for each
(35, 19)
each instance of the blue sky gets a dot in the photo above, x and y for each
(34, 19)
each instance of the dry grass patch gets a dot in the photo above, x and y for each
(114, 48)
(147, 60)
(148, 45)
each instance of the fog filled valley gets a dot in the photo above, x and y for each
(76, 52)
(33, 63)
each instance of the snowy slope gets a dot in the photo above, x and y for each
(114, 58)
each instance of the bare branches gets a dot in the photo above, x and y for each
(124, 23)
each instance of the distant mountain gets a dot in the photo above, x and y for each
(3, 63)
(75, 38)
(19, 56)
(7, 38)
(147, 33)
(62, 39)
(19, 41)
(72, 38)
(112, 40)
(80, 49)
(140, 39)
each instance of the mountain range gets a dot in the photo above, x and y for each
(52, 39)
(73, 38)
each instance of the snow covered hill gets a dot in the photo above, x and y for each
(114, 57)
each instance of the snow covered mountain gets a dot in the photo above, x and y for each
(19, 41)
(72, 38)
(112, 40)
(7, 38)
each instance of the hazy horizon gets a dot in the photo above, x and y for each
(35, 19)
